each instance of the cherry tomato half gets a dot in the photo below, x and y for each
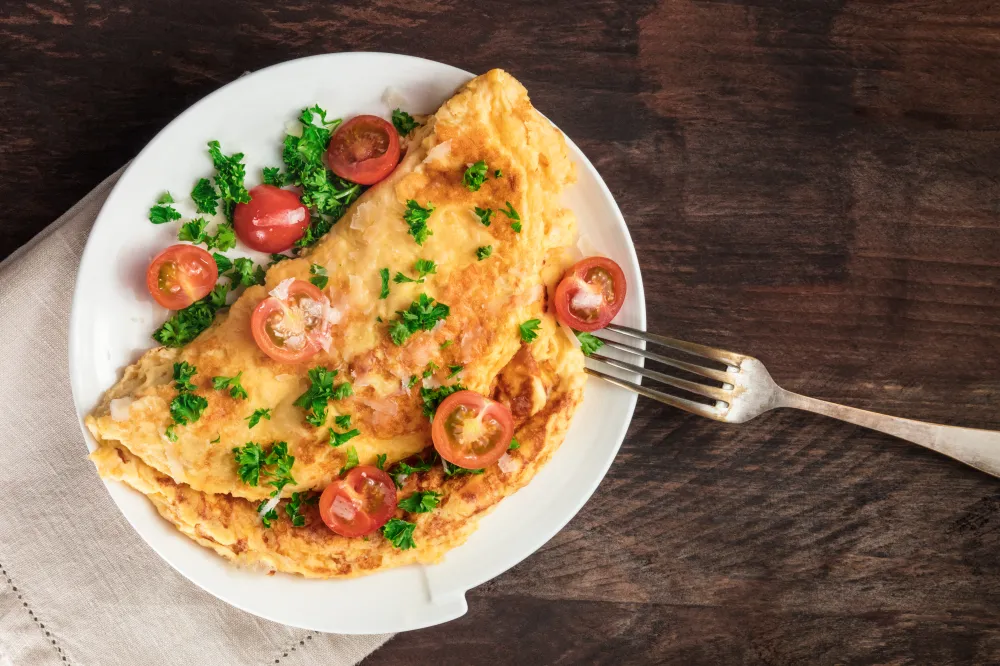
(360, 503)
(364, 150)
(272, 221)
(181, 275)
(292, 329)
(590, 294)
(470, 430)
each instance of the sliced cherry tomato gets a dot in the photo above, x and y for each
(181, 275)
(293, 328)
(364, 150)
(272, 221)
(590, 294)
(359, 503)
(470, 430)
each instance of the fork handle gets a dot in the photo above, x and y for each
(977, 448)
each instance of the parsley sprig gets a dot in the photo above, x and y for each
(403, 122)
(475, 176)
(294, 507)
(423, 267)
(230, 384)
(422, 315)
(516, 219)
(423, 501)
(320, 278)
(351, 460)
(185, 325)
(340, 438)
(230, 173)
(588, 343)
(484, 215)
(205, 197)
(274, 467)
(529, 330)
(416, 217)
(400, 533)
(258, 414)
(320, 392)
(186, 407)
(432, 397)
(485, 252)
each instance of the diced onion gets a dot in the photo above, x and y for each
(506, 464)
(439, 153)
(120, 408)
(362, 216)
(268, 505)
(281, 291)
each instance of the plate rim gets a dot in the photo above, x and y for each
(537, 539)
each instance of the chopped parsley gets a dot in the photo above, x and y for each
(431, 367)
(416, 217)
(423, 501)
(343, 421)
(455, 369)
(224, 238)
(475, 176)
(351, 461)
(171, 433)
(403, 122)
(163, 213)
(218, 438)
(267, 519)
(484, 252)
(272, 176)
(422, 315)
(327, 194)
(588, 343)
(321, 390)
(380, 460)
(403, 469)
(446, 344)
(484, 215)
(432, 397)
(245, 273)
(423, 267)
(340, 438)
(231, 384)
(187, 407)
(183, 372)
(454, 470)
(512, 214)
(498, 173)
(193, 231)
(185, 325)
(277, 259)
(294, 507)
(229, 175)
(222, 262)
(399, 533)
(529, 330)
(319, 276)
(258, 414)
(384, 274)
(255, 466)
(411, 381)
(206, 199)
(165, 198)
(514, 444)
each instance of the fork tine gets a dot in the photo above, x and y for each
(717, 375)
(694, 387)
(674, 401)
(720, 355)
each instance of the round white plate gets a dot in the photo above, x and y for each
(113, 317)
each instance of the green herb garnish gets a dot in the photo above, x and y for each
(187, 407)
(588, 343)
(222, 262)
(512, 214)
(319, 276)
(529, 330)
(185, 325)
(422, 315)
(231, 384)
(246, 274)
(455, 369)
(454, 470)
(402, 469)
(416, 217)
(183, 372)
(343, 421)
(351, 462)
(399, 533)
(432, 397)
(273, 176)
(423, 501)
(498, 174)
(484, 215)
(403, 122)
(229, 175)
(161, 214)
(321, 390)
(258, 414)
(294, 505)
(514, 444)
(339, 438)
(484, 252)
(206, 199)
(475, 176)
(380, 460)
(275, 467)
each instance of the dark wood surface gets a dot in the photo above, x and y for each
(815, 183)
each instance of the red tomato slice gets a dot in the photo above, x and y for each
(272, 221)
(295, 327)
(364, 150)
(470, 430)
(590, 294)
(360, 503)
(181, 275)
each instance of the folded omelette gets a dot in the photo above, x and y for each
(190, 474)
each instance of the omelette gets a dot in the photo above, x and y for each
(189, 472)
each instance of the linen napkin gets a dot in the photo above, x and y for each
(77, 585)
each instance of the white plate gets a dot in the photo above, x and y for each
(113, 318)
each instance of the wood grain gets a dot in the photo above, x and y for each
(815, 183)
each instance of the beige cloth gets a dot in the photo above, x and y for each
(77, 584)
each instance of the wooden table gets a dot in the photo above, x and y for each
(815, 183)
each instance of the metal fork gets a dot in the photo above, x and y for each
(737, 388)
